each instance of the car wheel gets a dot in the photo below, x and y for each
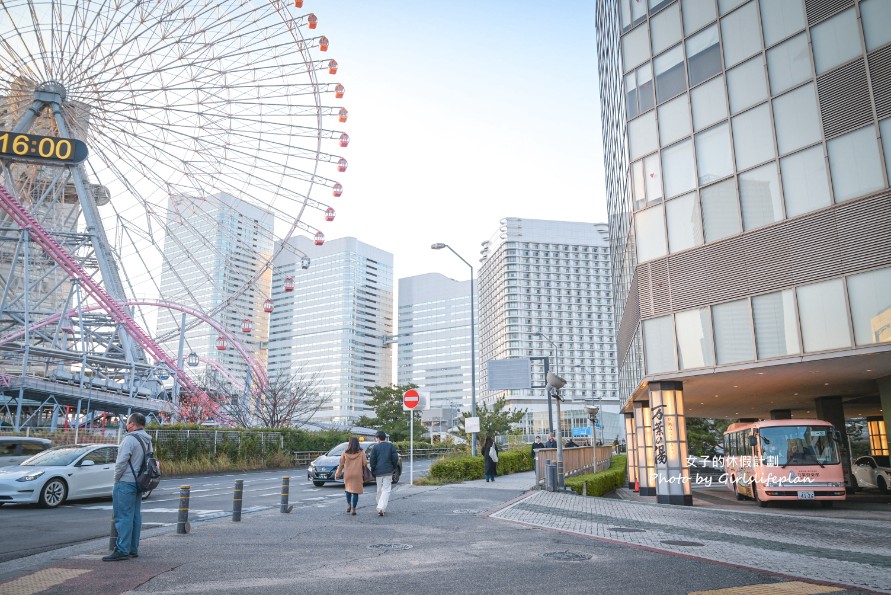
(397, 473)
(145, 495)
(318, 484)
(883, 487)
(53, 493)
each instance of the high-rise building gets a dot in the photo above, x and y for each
(748, 149)
(331, 321)
(551, 277)
(225, 244)
(435, 343)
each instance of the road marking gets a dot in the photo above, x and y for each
(790, 588)
(40, 580)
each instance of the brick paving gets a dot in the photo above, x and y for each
(840, 551)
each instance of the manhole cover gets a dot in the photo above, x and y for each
(678, 542)
(567, 556)
(389, 547)
(625, 530)
(465, 511)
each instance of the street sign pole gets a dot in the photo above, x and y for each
(410, 399)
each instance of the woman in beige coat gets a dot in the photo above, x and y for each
(352, 461)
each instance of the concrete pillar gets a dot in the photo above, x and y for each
(645, 458)
(670, 443)
(831, 409)
(631, 449)
(885, 401)
(780, 414)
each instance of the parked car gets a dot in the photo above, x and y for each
(872, 472)
(63, 473)
(15, 449)
(321, 470)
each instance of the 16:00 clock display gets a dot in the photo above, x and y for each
(42, 148)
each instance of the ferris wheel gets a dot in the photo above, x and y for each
(155, 158)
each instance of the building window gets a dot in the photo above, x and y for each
(678, 168)
(781, 19)
(797, 119)
(728, 5)
(684, 223)
(709, 104)
(631, 13)
(741, 35)
(713, 154)
(875, 16)
(703, 55)
(665, 29)
(855, 164)
(753, 137)
(646, 178)
(870, 295)
(789, 64)
(805, 181)
(824, 316)
(694, 333)
(643, 136)
(674, 120)
(836, 41)
(670, 77)
(659, 345)
(635, 48)
(639, 91)
(720, 213)
(698, 14)
(650, 234)
(759, 197)
(733, 332)
(747, 84)
(776, 327)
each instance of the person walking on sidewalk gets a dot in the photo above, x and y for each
(490, 458)
(352, 461)
(126, 498)
(384, 459)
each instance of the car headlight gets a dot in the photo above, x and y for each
(312, 468)
(31, 476)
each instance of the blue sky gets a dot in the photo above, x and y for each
(462, 113)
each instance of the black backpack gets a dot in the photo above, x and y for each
(149, 475)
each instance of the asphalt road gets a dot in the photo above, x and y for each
(30, 529)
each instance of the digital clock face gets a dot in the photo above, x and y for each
(31, 147)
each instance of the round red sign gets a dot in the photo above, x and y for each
(411, 398)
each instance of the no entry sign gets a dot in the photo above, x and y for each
(411, 398)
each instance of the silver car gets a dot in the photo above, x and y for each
(63, 473)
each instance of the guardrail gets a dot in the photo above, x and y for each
(305, 457)
(581, 459)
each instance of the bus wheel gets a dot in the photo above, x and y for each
(736, 490)
(761, 503)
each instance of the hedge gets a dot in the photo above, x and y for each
(598, 484)
(463, 467)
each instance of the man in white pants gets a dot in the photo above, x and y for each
(383, 461)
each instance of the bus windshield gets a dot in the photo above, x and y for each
(798, 445)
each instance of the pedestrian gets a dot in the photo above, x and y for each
(551, 443)
(352, 461)
(536, 445)
(126, 498)
(490, 458)
(384, 459)
(570, 443)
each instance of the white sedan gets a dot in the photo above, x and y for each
(59, 474)
(873, 472)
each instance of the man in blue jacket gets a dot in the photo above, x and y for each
(384, 459)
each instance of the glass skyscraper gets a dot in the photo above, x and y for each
(747, 147)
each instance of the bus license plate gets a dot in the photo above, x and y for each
(805, 495)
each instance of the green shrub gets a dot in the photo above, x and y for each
(462, 467)
(598, 484)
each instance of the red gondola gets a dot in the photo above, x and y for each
(338, 189)
(342, 115)
(313, 21)
(339, 91)
(289, 283)
(341, 164)
(221, 343)
(344, 139)
(332, 67)
(329, 214)
(320, 238)
(246, 325)
(267, 305)
(298, 3)
(323, 43)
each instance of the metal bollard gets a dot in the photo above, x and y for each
(285, 509)
(236, 500)
(552, 476)
(585, 488)
(182, 522)
(113, 540)
(560, 476)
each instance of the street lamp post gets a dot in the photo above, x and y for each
(440, 246)
(599, 405)
(557, 407)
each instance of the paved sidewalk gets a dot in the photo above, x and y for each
(839, 551)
